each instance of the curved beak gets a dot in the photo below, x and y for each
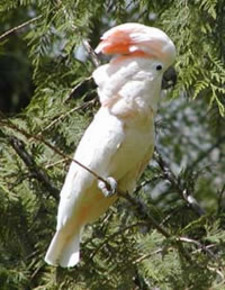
(169, 78)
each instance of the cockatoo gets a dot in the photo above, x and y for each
(119, 142)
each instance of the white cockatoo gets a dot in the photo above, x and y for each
(119, 142)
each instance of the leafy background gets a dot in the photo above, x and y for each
(170, 233)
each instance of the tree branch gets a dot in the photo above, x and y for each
(85, 43)
(143, 212)
(63, 116)
(182, 190)
(38, 173)
(77, 87)
(6, 123)
(146, 256)
(10, 31)
(112, 236)
(91, 52)
(139, 207)
(197, 244)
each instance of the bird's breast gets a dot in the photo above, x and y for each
(137, 142)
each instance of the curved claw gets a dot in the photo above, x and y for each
(108, 189)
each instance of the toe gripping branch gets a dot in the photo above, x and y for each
(108, 186)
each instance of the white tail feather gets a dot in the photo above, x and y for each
(63, 251)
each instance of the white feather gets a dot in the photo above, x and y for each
(63, 253)
(118, 143)
(109, 150)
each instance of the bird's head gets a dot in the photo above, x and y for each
(138, 40)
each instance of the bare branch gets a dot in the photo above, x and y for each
(143, 212)
(220, 198)
(63, 116)
(12, 30)
(182, 190)
(198, 244)
(74, 89)
(88, 48)
(6, 123)
(146, 256)
(220, 274)
(92, 53)
(38, 173)
(112, 236)
(53, 164)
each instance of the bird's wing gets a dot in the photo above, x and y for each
(96, 149)
(80, 202)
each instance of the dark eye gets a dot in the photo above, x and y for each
(159, 67)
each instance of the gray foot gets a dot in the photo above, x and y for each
(108, 189)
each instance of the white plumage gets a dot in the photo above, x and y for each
(120, 140)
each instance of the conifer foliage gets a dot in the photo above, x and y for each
(169, 234)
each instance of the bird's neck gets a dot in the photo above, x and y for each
(127, 87)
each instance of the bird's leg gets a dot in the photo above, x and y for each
(108, 187)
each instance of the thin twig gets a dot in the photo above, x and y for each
(39, 138)
(63, 116)
(147, 181)
(76, 88)
(91, 52)
(146, 256)
(198, 244)
(53, 164)
(143, 212)
(180, 239)
(184, 193)
(88, 48)
(219, 273)
(220, 198)
(10, 31)
(112, 236)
